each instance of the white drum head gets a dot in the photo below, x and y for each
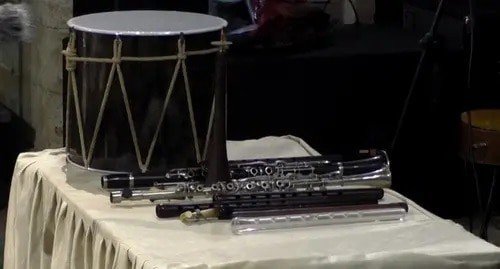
(147, 23)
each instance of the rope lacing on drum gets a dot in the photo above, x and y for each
(72, 89)
(181, 48)
(117, 51)
(72, 58)
(69, 53)
(180, 55)
(182, 59)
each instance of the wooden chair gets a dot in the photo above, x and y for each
(480, 144)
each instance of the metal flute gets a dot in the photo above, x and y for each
(291, 182)
(248, 168)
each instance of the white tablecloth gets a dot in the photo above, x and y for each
(58, 217)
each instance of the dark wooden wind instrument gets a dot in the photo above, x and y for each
(217, 161)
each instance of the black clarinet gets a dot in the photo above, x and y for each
(226, 204)
(239, 169)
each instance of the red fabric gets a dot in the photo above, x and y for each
(275, 8)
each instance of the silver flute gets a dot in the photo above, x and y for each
(298, 176)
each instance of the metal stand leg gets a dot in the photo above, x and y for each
(471, 199)
(430, 45)
(489, 207)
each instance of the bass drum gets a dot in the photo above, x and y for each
(132, 106)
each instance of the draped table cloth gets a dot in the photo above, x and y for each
(59, 217)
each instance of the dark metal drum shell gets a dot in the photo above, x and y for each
(146, 84)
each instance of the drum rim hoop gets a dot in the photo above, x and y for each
(73, 163)
(74, 26)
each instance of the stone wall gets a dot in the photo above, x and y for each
(43, 69)
(37, 97)
(10, 76)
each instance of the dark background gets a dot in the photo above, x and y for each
(349, 95)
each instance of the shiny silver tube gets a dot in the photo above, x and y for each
(380, 177)
(265, 221)
(137, 195)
